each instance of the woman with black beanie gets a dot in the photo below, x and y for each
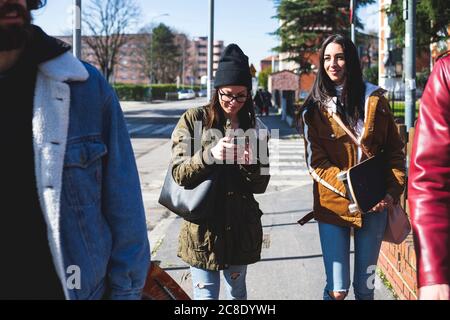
(205, 143)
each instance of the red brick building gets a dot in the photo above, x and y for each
(285, 87)
(269, 62)
(132, 65)
(131, 61)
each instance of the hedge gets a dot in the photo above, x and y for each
(398, 108)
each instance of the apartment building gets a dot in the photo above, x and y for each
(199, 54)
(132, 67)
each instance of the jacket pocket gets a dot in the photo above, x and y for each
(249, 227)
(82, 176)
(198, 237)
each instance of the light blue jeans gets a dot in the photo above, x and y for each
(206, 283)
(335, 242)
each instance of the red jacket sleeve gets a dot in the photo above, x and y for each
(429, 182)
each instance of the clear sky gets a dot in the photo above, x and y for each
(245, 22)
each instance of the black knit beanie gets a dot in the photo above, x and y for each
(233, 68)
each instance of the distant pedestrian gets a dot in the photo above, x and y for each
(429, 185)
(73, 225)
(339, 89)
(259, 102)
(267, 101)
(230, 238)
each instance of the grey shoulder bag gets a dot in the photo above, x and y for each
(192, 203)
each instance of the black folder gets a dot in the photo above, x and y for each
(367, 182)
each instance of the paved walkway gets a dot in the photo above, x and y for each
(291, 266)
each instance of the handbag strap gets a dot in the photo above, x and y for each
(351, 135)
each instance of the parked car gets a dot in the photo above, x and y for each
(186, 94)
(303, 95)
(202, 93)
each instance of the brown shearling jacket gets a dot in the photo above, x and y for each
(329, 150)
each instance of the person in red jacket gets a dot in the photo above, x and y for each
(429, 185)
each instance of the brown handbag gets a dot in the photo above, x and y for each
(159, 285)
(397, 226)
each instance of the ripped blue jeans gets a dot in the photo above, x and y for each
(206, 283)
(335, 242)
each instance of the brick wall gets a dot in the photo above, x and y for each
(307, 81)
(285, 80)
(398, 262)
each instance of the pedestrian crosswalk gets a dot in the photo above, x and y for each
(151, 129)
(287, 157)
(287, 163)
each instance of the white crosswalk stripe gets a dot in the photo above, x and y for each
(152, 129)
(287, 158)
(287, 164)
(138, 128)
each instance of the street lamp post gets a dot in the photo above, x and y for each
(352, 21)
(77, 28)
(150, 76)
(210, 49)
(150, 96)
(409, 15)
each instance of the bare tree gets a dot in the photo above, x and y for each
(107, 21)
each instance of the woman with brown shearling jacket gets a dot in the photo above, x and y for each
(339, 89)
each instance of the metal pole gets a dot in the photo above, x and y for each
(210, 50)
(150, 93)
(409, 15)
(182, 67)
(77, 28)
(353, 13)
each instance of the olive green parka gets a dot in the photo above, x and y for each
(232, 234)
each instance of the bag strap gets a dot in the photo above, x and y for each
(351, 135)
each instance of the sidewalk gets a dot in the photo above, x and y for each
(273, 121)
(291, 266)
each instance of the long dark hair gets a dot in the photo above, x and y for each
(215, 116)
(35, 4)
(352, 98)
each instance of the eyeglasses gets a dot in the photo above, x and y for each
(229, 97)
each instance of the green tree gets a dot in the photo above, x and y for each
(306, 23)
(432, 19)
(371, 74)
(164, 55)
(422, 78)
(263, 77)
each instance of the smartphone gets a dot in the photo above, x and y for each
(241, 141)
